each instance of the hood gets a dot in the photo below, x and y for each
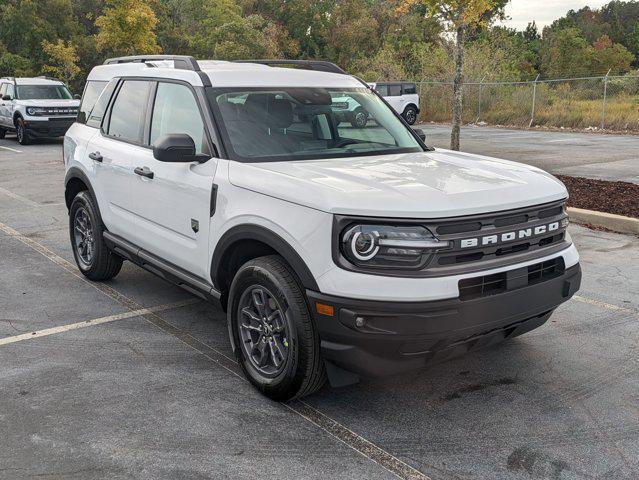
(50, 103)
(434, 184)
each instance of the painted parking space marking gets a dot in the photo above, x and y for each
(95, 321)
(343, 434)
(19, 198)
(607, 306)
(10, 149)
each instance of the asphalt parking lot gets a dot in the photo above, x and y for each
(134, 378)
(590, 155)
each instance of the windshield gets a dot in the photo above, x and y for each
(277, 124)
(43, 92)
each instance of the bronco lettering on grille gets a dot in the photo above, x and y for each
(509, 236)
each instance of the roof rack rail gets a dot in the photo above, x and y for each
(319, 65)
(182, 62)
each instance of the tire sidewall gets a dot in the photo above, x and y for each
(23, 138)
(83, 199)
(292, 375)
(356, 113)
(406, 117)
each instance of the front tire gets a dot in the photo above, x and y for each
(21, 131)
(3, 132)
(94, 259)
(359, 118)
(276, 342)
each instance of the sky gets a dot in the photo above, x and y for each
(543, 12)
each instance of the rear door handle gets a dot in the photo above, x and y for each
(144, 172)
(96, 156)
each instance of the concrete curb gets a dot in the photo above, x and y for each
(616, 223)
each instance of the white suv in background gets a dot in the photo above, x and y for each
(336, 252)
(402, 96)
(36, 108)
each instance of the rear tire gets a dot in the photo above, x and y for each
(94, 259)
(410, 115)
(276, 342)
(21, 131)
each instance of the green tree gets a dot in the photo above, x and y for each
(458, 16)
(63, 60)
(127, 28)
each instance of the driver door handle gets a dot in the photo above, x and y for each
(96, 156)
(144, 172)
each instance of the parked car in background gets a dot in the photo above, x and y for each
(38, 107)
(402, 96)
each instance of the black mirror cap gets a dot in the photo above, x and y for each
(174, 147)
(420, 133)
(77, 96)
(6, 97)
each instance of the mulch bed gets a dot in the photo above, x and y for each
(621, 198)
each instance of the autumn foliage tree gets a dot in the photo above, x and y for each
(63, 60)
(127, 27)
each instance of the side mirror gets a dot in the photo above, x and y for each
(420, 133)
(77, 96)
(177, 148)
(7, 97)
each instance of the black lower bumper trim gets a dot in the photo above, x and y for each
(375, 338)
(48, 128)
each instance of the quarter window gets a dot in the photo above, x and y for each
(176, 111)
(3, 88)
(128, 111)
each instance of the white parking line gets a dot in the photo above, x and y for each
(607, 306)
(95, 321)
(20, 198)
(11, 149)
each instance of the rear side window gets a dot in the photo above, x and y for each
(176, 111)
(410, 88)
(92, 91)
(382, 90)
(96, 114)
(11, 90)
(394, 90)
(129, 111)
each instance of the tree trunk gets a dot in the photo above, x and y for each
(457, 89)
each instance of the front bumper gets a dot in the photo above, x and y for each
(48, 128)
(400, 336)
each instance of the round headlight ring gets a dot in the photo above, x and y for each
(364, 246)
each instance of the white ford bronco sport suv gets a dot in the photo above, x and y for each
(36, 108)
(336, 252)
(402, 96)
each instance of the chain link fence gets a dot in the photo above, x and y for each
(607, 102)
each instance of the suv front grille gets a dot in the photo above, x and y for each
(484, 286)
(56, 112)
(495, 238)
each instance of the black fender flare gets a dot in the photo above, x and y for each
(76, 172)
(269, 238)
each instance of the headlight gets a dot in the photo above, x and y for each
(387, 246)
(35, 110)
